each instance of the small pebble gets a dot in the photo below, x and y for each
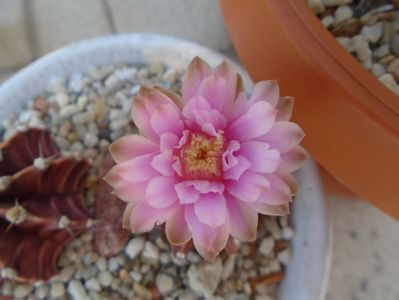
(93, 285)
(343, 13)
(134, 247)
(266, 246)
(22, 290)
(150, 252)
(41, 291)
(90, 140)
(104, 278)
(164, 284)
(57, 290)
(77, 291)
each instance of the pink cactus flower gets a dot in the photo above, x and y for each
(209, 161)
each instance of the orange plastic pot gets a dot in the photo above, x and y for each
(351, 120)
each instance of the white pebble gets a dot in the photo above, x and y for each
(266, 246)
(62, 99)
(389, 81)
(113, 264)
(343, 13)
(287, 233)
(378, 69)
(164, 284)
(119, 124)
(382, 51)
(22, 290)
(285, 256)
(69, 110)
(93, 285)
(345, 42)
(66, 274)
(57, 290)
(170, 75)
(327, 21)
(82, 102)
(77, 291)
(84, 118)
(101, 264)
(374, 32)
(41, 291)
(90, 140)
(228, 267)
(104, 278)
(134, 247)
(205, 278)
(150, 252)
(61, 142)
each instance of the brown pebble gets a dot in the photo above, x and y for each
(348, 28)
(266, 279)
(280, 245)
(386, 60)
(41, 104)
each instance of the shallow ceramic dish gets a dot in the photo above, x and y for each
(308, 271)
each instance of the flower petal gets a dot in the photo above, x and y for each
(277, 193)
(144, 217)
(134, 170)
(283, 136)
(196, 72)
(257, 121)
(130, 146)
(243, 220)
(293, 159)
(167, 141)
(176, 228)
(270, 210)
(176, 98)
(163, 163)
(141, 118)
(229, 159)
(249, 187)
(235, 172)
(186, 192)
(285, 107)
(160, 192)
(129, 191)
(262, 159)
(211, 209)
(166, 118)
(203, 235)
(267, 90)
(126, 215)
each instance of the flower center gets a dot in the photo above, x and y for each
(201, 157)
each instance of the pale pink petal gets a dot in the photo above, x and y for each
(196, 103)
(176, 228)
(278, 192)
(186, 192)
(249, 187)
(205, 186)
(270, 210)
(196, 72)
(238, 108)
(126, 215)
(293, 159)
(143, 217)
(235, 172)
(166, 118)
(130, 146)
(167, 141)
(130, 191)
(223, 234)
(290, 180)
(262, 159)
(214, 90)
(141, 119)
(176, 98)
(210, 116)
(283, 136)
(266, 91)
(243, 220)
(257, 121)
(203, 235)
(160, 192)
(285, 107)
(163, 163)
(211, 209)
(229, 159)
(136, 169)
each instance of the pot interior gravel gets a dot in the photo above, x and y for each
(89, 108)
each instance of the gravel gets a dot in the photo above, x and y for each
(86, 113)
(369, 30)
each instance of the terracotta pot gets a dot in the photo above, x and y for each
(350, 118)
